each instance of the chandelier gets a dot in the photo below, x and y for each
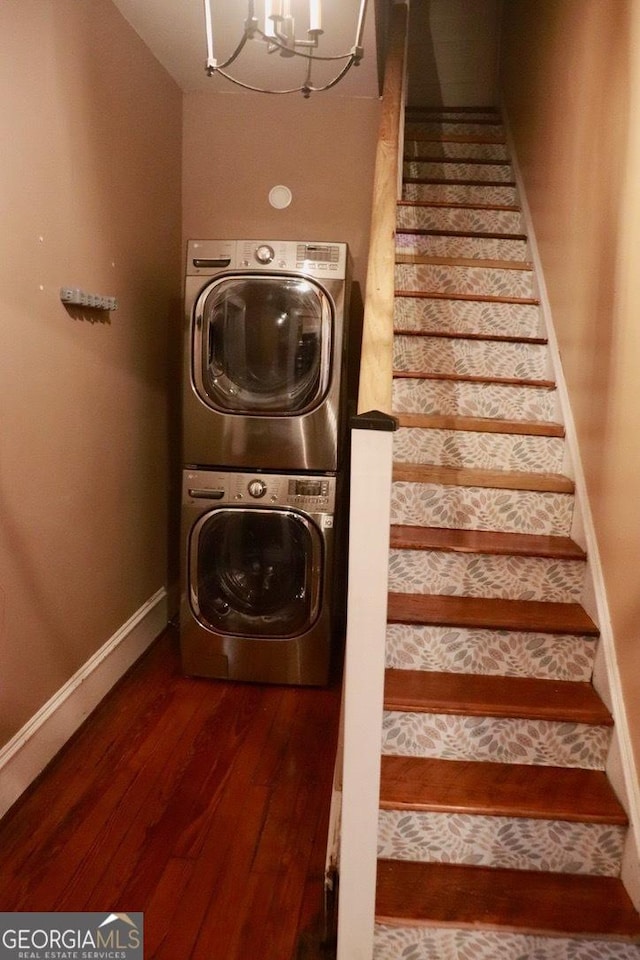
(276, 30)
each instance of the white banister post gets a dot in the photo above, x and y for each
(371, 467)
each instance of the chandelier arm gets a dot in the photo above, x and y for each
(234, 56)
(248, 86)
(336, 79)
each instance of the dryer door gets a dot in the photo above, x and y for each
(255, 573)
(262, 344)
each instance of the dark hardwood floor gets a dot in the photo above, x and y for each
(202, 803)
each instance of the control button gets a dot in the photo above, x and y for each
(264, 254)
(257, 489)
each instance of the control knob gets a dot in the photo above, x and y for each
(264, 253)
(257, 489)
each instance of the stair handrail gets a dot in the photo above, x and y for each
(377, 335)
(358, 769)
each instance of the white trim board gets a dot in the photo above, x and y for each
(26, 755)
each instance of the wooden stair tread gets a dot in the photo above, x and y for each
(491, 613)
(420, 259)
(460, 205)
(476, 234)
(525, 901)
(467, 694)
(407, 537)
(476, 337)
(538, 428)
(417, 137)
(469, 378)
(439, 110)
(499, 789)
(458, 182)
(468, 297)
(471, 477)
(455, 161)
(444, 118)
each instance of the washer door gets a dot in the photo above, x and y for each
(262, 344)
(255, 573)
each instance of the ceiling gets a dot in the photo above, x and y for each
(174, 30)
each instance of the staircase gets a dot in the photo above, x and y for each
(500, 837)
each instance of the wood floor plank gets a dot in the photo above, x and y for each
(535, 428)
(176, 819)
(493, 696)
(498, 789)
(408, 537)
(491, 613)
(529, 902)
(160, 802)
(470, 477)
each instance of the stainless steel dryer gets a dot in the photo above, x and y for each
(264, 354)
(257, 583)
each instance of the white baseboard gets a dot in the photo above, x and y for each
(26, 755)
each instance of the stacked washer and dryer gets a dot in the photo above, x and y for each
(264, 433)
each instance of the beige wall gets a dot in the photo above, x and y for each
(238, 146)
(90, 196)
(571, 79)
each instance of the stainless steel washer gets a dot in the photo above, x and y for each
(258, 570)
(264, 357)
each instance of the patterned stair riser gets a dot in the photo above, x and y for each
(514, 843)
(432, 170)
(481, 508)
(432, 943)
(489, 652)
(467, 220)
(467, 247)
(467, 317)
(497, 739)
(471, 358)
(487, 451)
(456, 193)
(430, 149)
(443, 573)
(495, 401)
(477, 281)
(436, 128)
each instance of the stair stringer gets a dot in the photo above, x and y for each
(621, 766)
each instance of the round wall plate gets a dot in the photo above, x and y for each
(280, 197)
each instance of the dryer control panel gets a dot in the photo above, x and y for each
(316, 259)
(309, 493)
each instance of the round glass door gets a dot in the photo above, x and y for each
(255, 573)
(262, 344)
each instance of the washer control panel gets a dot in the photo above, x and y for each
(316, 259)
(309, 493)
